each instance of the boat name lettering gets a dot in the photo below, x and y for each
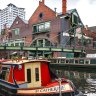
(51, 89)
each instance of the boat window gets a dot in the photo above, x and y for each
(4, 73)
(67, 61)
(76, 61)
(59, 61)
(37, 74)
(81, 61)
(62, 61)
(87, 62)
(29, 75)
(71, 61)
(53, 61)
(92, 61)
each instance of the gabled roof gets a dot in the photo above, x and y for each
(69, 12)
(18, 20)
(90, 34)
(47, 12)
(92, 29)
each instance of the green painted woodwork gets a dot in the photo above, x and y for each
(50, 49)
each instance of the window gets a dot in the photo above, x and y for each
(41, 15)
(75, 19)
(47, 25)
(22, 44)
(34, 44)
(47, 43)
(17, 22)
(76, 61)
(29, 75)
(87, 61)
(35, 28)
(3, 32)
(42, 27)
(12, 44)
(4, 73)
(16, 44)
(40, 43)
(37, 74)
(81, 61)
(16, 31)
(88, 41)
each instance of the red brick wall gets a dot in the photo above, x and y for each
(25, 31)
(48, 14)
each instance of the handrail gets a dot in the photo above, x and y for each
(72, 60)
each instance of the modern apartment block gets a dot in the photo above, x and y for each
(8, 15)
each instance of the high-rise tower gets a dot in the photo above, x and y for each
(8, 15)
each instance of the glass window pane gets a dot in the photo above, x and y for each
(35, 29)
(40, 43)
(37, 74)
(16, 44)
(41, 27)
(16, 31)
(29, 75)
(47, 25)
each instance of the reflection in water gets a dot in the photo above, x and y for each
(84, 79)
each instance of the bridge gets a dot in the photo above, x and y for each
(51, 49)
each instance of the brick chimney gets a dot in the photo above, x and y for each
(64, 6)
(42, 2)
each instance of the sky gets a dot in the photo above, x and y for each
(85, 8)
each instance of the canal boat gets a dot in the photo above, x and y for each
(83, 62)
(32, 78)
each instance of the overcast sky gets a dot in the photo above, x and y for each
(85, 8)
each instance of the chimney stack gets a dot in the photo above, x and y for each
(43, 1)
(64, 6)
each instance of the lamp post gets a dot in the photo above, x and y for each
(59, 81)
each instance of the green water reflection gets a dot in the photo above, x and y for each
(84, 79)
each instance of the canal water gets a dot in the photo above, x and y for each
(83, 78)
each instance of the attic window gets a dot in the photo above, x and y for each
(17, 22)
(41, 15)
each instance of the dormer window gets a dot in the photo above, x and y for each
(74, 19)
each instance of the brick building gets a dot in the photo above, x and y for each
(47, 28)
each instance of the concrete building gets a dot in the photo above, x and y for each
(8, 15)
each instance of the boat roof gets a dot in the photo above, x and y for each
(19, 62)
